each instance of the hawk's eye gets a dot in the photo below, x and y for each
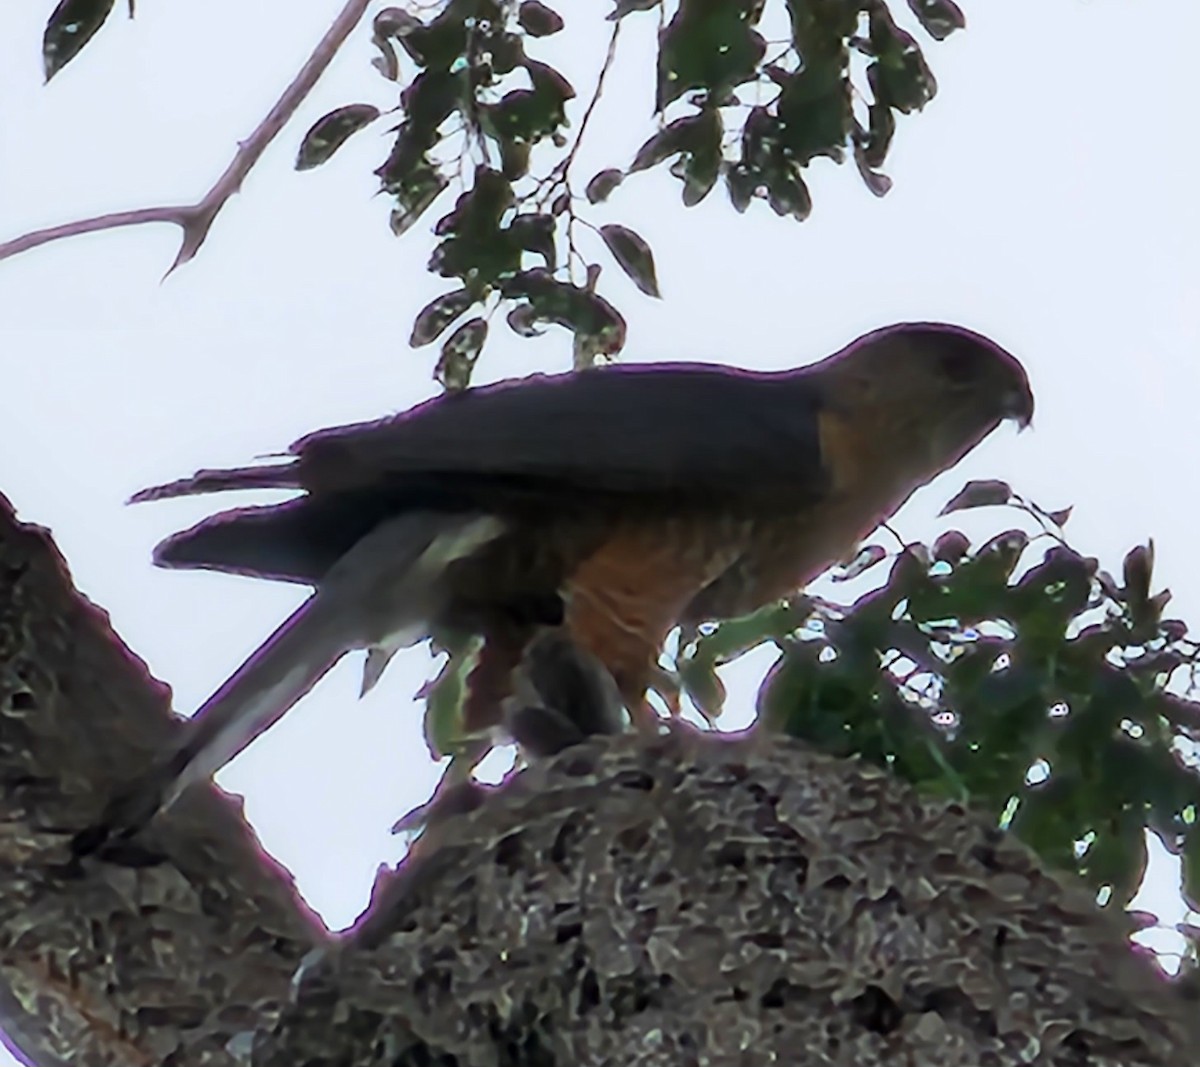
(960, 365)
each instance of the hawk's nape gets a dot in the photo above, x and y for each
(612, 503)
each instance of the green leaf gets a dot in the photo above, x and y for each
(700, 166)
(431, 98)
(550, 87)
(414, 193)
(742, 183)
(503, 52)
(601, 186)
(699, 174)
(1144, 610)
(979, 494)
(761, 143)
(523, 320)
(535, 233)
(1046, 599)
(1137, 569)
(788, 195)
(867, 557)
(1117, 858)
(598, 327)
(730, 639)
(818, 24)
(530, 114)
(698, 677)
(538, 20)
(950, 547)
(823, 703)
(939, 17)
(514, 159)
(814, 110)
(444, 40)
(899, 78)
(876, 181)
(391, 22)
(675, 137)
(408, 173)
(1001, 554)
(331, 131)
(633, 254)
(877, 138)
(459, 354)
(435, 316)
(71, 25)
(475, 247)
(708, 46)
(768, 165)
(443, 696)
(1050, 820)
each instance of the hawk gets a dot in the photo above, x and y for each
(610, 504)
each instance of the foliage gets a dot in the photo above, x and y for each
(1014, 674)
(481, 112)
(510, 239)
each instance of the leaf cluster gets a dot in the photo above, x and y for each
(480, 110)
(1014, 674)
(477, 108)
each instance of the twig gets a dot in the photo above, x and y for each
(609, 56)
(559, 175)
(196, 219)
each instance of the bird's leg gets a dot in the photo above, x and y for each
(624, 599)
(562, 694)
(489, 682)
(506, 633)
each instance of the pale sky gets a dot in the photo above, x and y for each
(1044, 198)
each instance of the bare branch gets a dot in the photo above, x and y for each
(609, 56)
(196, 219)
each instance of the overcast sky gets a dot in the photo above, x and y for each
(1045, 198)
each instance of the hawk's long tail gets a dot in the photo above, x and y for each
(382, 592)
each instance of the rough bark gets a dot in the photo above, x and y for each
(679, 901)
(117, 963)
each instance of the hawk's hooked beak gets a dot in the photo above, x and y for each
(1017, 404)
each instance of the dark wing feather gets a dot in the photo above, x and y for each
(680, 429)
(684, 430)
(276, 476)
(674, 436)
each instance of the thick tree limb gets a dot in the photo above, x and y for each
(103, 962)
(195, 220)
(699, 900)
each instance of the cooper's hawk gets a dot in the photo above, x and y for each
(619, 501)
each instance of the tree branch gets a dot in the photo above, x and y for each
(195, 220)
(182, 940)
(733, 901)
